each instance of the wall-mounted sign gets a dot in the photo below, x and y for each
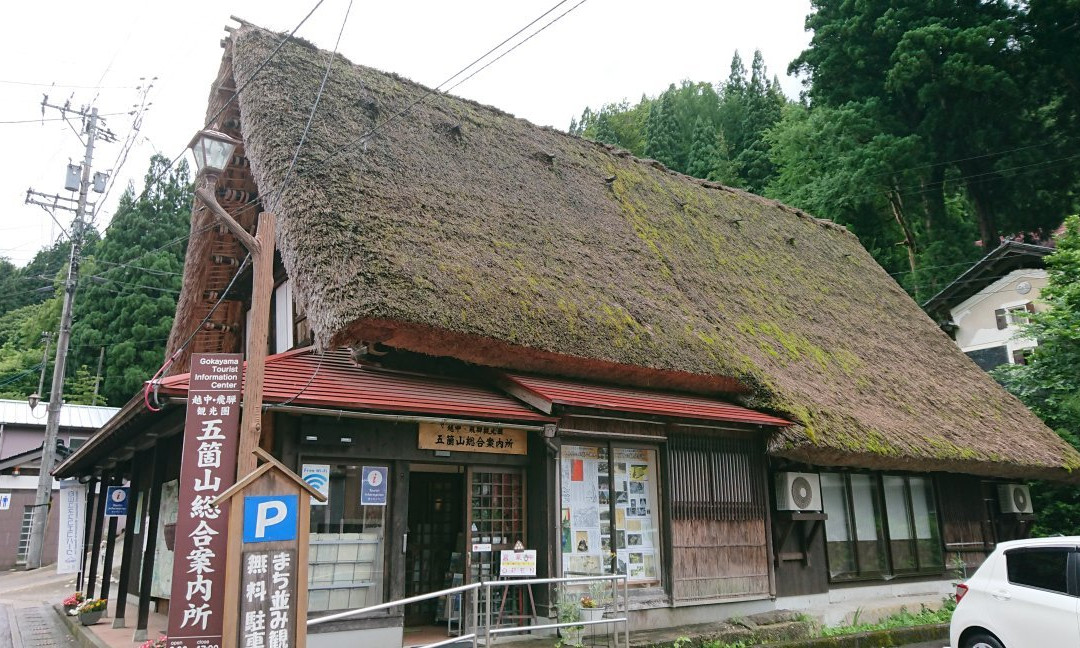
(481, 547)
(318, 477)
(373, 488)
(5, 501)
(116, 501)
(69, 553)
(517, 563)
(472, 438)
(207, 469)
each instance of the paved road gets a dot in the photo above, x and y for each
(33, 627)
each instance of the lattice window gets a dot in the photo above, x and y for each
(716, 478)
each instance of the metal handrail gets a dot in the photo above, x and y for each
(489, 633)
(392, 604)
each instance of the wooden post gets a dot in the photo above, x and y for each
(95, 543)
(261, 290)
(128, 556)
(88, 520)
(110, 542)
(153, 508)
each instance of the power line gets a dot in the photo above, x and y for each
(54, 119)
(65, 85)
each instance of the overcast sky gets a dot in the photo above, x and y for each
(604, 50)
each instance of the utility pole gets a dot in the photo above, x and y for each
(97, 377)
(42, 499)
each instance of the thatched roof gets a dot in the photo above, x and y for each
(459, 230)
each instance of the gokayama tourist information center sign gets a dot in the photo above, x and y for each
(207, 468)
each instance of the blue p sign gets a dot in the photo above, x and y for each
(270, 518)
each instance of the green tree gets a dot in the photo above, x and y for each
(127, 301)
(662, 132)
(1049, 383)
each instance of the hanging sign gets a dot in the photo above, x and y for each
(69, 552)
(318, 477)
(116, 501)
(207, 468)
(373, 488)
(472, 438)
(517, 563)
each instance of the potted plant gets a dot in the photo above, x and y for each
(590, 609)
(160, 642)
(568, 609)
(90, 612)
(73, 601)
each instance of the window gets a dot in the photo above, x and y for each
(853, 531)
(347, 546)
(74, 443)
(283, 317)
(610, 505)
(1045, 569)
(914, 539)
(866, 509)
(1013, 315)
(715, 478)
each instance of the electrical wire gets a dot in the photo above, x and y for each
(311, 379)
(315, 105)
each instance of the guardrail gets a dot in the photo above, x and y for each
(619, 582)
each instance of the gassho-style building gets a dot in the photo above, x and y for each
(546, 340)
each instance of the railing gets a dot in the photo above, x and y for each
(489, 634)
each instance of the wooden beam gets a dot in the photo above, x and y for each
(261, 290)
(241, 234)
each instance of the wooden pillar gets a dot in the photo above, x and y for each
(110, 542)
(262, 289)
(129, 544)
(88, 518)
(157, 477)
(95, 543)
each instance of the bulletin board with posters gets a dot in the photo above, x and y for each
(609, 512)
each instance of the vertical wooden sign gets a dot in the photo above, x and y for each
(207, 469)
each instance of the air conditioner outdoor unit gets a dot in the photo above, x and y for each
(798, 492)
(1014, 498)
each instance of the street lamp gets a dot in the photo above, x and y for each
(212, 150)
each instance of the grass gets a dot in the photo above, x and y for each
(902, 619)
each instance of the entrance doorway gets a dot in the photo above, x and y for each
(435, 521)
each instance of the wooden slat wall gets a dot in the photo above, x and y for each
(716, 559)
(718, 508)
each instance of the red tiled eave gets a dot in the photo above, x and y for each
(302, 377)
(556, 391)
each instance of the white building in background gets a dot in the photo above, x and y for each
(22, 431)
(984, 307)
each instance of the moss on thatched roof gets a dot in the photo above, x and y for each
(460, 230)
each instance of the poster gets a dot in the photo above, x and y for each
(608, 512)
(69, 551)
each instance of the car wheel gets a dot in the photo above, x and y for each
(982, 640)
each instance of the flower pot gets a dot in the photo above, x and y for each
(592, 614)
(90, 618)
(571, 636)
(68, 609)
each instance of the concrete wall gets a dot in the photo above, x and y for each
(975, 315)
(22, 491)
(17, 439)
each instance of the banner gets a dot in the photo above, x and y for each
(207, 469)
(69, 550)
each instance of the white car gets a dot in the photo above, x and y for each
(1026, 595)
